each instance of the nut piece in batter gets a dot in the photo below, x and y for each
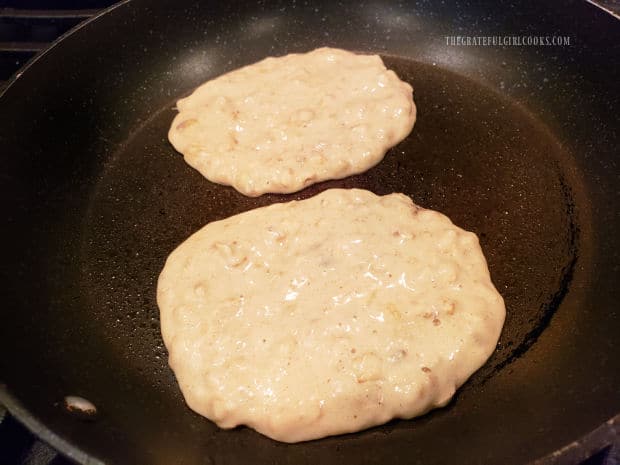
(328, 315)
(284, 123)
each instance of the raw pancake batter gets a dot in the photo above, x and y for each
(327, 315)
(284, 123)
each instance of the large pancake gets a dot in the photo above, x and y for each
(327, 315)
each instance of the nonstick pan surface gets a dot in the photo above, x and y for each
(516, 144)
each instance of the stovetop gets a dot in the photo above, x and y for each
(19, 446)
(27, 27)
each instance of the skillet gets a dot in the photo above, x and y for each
(518, 144)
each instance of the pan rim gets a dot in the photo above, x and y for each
(42, 432)
(8, 400)
(585, 446)
(53, 45)
(589, 444)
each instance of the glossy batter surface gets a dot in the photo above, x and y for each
(284, 123)
(327, 315)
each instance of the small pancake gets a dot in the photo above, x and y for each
(284, 123)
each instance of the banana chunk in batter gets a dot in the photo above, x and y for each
(327, 315)
(284, 123)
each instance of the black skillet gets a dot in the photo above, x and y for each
(518, 144)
